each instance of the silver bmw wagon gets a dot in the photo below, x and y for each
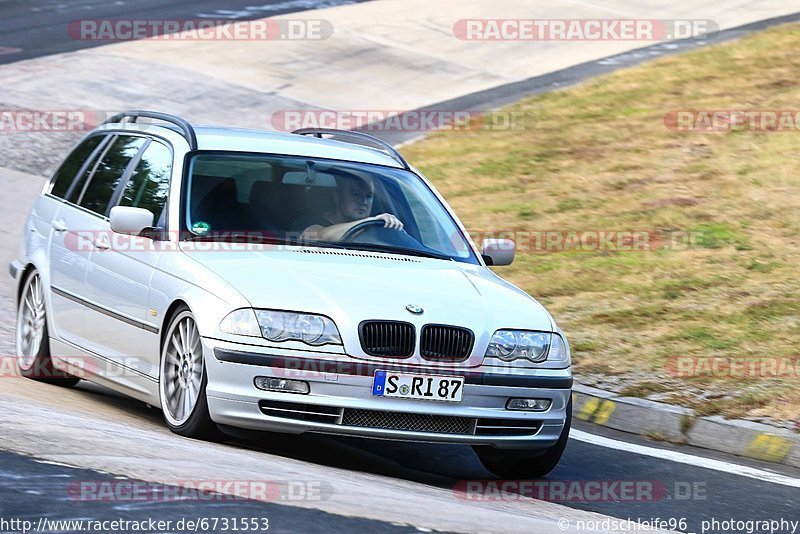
(303, 282)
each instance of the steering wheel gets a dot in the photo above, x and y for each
(360, 228)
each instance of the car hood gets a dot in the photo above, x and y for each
(352, 286)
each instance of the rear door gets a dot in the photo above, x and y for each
(77, 230)
(68, 253)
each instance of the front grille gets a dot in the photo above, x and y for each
(414, 422)
(446, 343)
(393, 339)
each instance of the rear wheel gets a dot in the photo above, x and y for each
(32, 337)
(182, 381)
(509, 463)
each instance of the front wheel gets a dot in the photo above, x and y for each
(182, 381)
(510, 464)
(32, 337)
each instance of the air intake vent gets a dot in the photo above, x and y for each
(507, 427)
(301, 411)
(392, 339)
(329, 252)
(412, 422)
(446, 343)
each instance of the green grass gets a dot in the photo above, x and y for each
(723, 210)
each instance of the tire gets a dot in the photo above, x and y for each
(526, 464)
(182, 380)
(33, 336)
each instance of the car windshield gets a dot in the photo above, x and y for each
(292, 199)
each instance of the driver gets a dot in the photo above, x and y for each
(353, 204)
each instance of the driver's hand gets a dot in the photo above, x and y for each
(389, 221)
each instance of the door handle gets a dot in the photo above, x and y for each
(102, 244)
(59, 225)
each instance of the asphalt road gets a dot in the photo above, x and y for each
(688, 492)
(31, 490)
(34, 28)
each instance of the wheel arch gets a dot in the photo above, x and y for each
(21, 281)
(176, 305)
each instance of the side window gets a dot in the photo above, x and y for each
(65, 174)
(109, 172)
(149, 184)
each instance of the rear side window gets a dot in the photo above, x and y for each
(76, 189)
(67, 171)
(149, 182)
(109, 172)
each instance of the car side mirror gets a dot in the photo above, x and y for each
(498, 251)
(128, 220)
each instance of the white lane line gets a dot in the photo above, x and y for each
(682, 458)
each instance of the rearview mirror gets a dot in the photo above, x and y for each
(498, 251)
(128, 220)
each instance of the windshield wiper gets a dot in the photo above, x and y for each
(427, 253)
(317, 243)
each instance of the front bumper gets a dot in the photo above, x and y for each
(341, 400)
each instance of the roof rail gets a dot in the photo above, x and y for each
(377, 143)
(185, 127)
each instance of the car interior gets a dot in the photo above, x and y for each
(252, 200)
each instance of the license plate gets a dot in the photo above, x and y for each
(423, 387)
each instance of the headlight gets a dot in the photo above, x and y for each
(282, 326)
(510, 345)
(558, 350)
(273, 325)
(290, 326)
(241, 322)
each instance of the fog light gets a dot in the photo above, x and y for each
(281, 384)
(530, 405)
